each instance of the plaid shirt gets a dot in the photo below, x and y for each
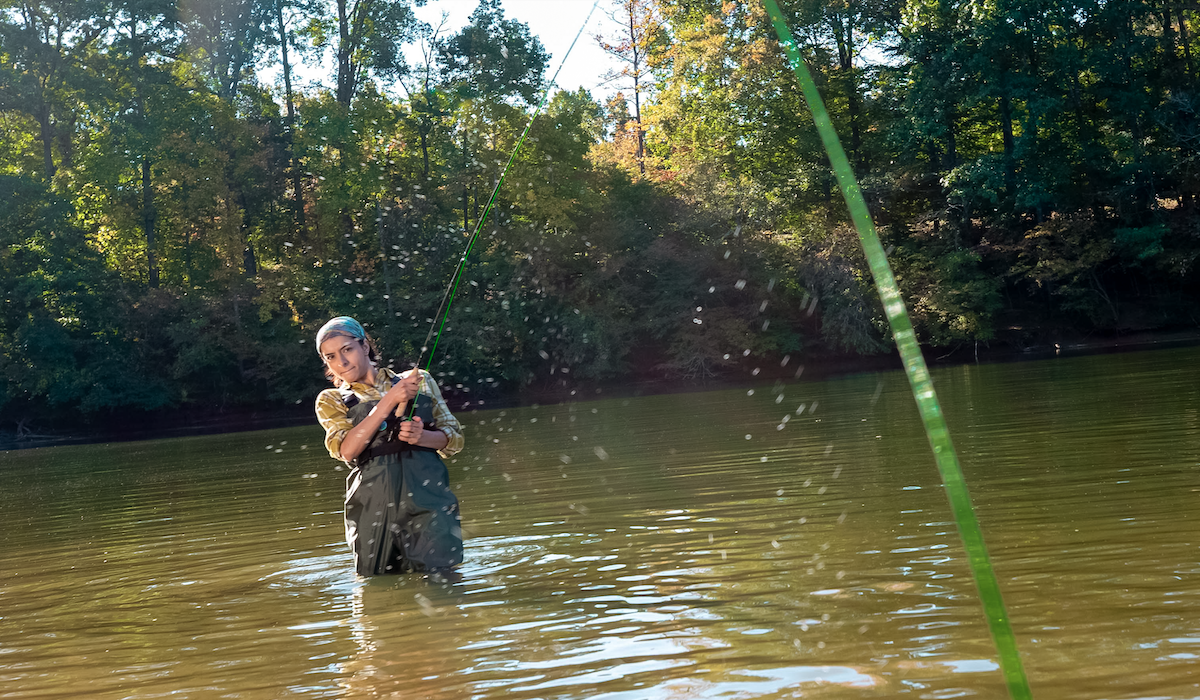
(331, 410)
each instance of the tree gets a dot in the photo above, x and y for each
(144, 31)
(45, 44)
(639, 26)
(284, 35)
(61, 328)
(493, 57)
(225, 39)
(367, 37)
(489, 60)
(844, 28)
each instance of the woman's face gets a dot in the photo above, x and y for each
(346, 358)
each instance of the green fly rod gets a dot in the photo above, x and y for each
(443, 312)
(918, 373)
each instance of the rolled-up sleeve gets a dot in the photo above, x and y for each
(446, 422)
(331, 414)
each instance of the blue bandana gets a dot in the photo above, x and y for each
(340, 325)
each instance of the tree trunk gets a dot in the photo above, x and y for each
(424, 151)
(844, 37)
(637, 93)
(387, 283)
(297, 182)
(1185, 39)
(148, 222)
(855, 121)
(466, 189)
(47, 138)
(1169, 50)
(1006, 134)
(345, 57)
(951, 144)
(249, 259)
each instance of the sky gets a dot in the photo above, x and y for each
(554, 22)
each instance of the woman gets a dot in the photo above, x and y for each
(400, 513)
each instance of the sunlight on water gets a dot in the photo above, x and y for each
(640, 548)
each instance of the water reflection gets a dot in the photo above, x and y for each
(639, 549)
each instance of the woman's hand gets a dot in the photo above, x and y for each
(392, 403)
(401, 392)
(411, 430)
(414, 433)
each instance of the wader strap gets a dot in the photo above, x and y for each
(386, 441)
(390, 448)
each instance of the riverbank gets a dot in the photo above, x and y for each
(189, 421)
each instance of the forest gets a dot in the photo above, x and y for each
(175, 224)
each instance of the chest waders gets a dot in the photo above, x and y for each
(400, 513)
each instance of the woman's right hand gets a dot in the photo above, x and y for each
(402, 391)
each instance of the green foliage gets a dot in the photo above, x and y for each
(59, 328)
(1140, 244)
(494, 57)
(172, 237)
(951, 298)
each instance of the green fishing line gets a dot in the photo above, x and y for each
(918, 373)
(443, 313)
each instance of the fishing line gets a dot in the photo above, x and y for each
(918, 373)
(448, 298)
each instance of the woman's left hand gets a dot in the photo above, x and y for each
(410, 430)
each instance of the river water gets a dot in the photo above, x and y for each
(781, 541)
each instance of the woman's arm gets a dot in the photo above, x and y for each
(446, 438)
(360, 436)
(447, 424)
(414, 432)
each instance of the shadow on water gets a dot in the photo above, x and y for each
(791, 541)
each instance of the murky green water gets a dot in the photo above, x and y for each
(711, 545)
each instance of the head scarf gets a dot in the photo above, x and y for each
(340, 325)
